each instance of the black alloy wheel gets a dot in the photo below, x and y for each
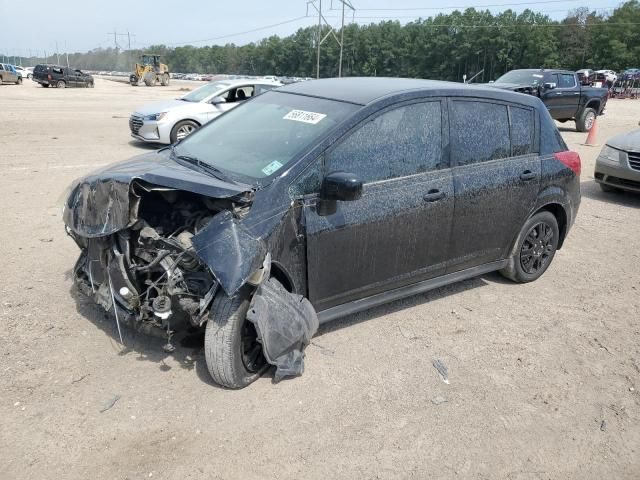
(537, 249)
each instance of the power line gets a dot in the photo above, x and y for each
(221, 37)
(465, 6)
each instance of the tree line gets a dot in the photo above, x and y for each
(445, 47)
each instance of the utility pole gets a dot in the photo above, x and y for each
(57, 54)
(319, 40)
(331, 32)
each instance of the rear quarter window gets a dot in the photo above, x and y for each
(522, 127)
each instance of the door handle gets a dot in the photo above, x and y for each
(433, 195)
(527, 175)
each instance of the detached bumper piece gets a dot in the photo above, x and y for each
(285, 324)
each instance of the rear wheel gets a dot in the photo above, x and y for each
(232, 351)
(182, 130)
(45, 85)
(61, 84)
(585, 121)
(165, 80)
(534, 249)
(0, 80)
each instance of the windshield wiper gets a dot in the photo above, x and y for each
(213, 171)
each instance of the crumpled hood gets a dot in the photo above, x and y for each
(99, 204)
(629, 142)
(167, 105)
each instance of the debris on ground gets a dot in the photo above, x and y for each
(110, 403)
(439, 400)
(285, 323)
(603, 426)
(442, 370)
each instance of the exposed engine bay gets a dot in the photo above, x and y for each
(150, 270)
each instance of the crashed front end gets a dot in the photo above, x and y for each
(138, 250)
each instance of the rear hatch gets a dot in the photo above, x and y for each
(41, 72)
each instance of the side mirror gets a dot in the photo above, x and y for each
(218, 100)
(549, 85)
(338, 186)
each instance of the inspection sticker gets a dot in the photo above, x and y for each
(305, 117)
(272, 167)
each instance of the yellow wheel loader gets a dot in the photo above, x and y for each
(150, 71)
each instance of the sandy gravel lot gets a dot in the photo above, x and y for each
(544, 377)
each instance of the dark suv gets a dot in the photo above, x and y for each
(322, 198)
(61, 77)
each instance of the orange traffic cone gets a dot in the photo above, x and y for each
(591, 137)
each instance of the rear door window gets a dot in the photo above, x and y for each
(567, 80)
(479, 131)
(403, 141)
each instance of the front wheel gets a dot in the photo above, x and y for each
(182, 130)
(585, 120)
(165, 80)
(61, 84)
(19, 81)
(534, 249)
(232, 351)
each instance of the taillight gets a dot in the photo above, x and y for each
(570, 159)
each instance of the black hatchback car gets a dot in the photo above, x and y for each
(317, 200)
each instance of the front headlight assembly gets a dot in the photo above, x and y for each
(156, 116)
(609, 155)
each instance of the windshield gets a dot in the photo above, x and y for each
(522, 77)
(260, 137)
(199, 94)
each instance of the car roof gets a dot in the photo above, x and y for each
(246, 81)
(366, 90)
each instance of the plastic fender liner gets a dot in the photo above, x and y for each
(285, 323)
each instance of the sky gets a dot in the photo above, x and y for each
(31, 27)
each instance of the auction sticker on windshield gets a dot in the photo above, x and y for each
(271, 168)
(305, 117)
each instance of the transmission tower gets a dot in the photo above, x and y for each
(317, 6)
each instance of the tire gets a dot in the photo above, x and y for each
(229, 342)
(609, 189)
(149, 79)
(91, 85)
(527, 267)
(165, 80)
(45, 85)
(0, 80)
(585, 121)
(61, 84)
(29, 76)
(19, 81)
(183, 129)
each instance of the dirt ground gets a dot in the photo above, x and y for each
(544, 377)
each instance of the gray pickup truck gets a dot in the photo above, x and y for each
(8, 74)
(565, 98)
